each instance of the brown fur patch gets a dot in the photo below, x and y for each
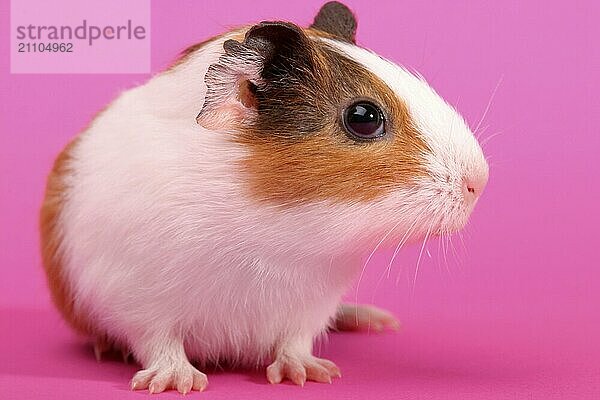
(299, 149)
(50, 236)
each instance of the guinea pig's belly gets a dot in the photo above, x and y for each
(236, 344)
(247, 336)
(242, 326)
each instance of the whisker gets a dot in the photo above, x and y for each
(483, 142)
(403, 240)
(401, 243)
(410, 231)
(362, 272)
(487, 108)
(414, 281)
(420, 256)
(482, 131)
(438, 258)
(448, 234)
(454, 253)
(462, 242)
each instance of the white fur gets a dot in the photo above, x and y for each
(455, 154)
(163, 247)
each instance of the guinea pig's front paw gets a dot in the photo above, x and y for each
(300, 369)
(184, 378)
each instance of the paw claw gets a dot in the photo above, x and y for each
(274, 373)
(100, 348)
(183, 378)
(300, 369)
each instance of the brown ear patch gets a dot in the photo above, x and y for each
(336, 19)
(271, 53)
(300, 151)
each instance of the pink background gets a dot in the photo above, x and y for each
(514, 314)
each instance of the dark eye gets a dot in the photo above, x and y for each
(364, 121)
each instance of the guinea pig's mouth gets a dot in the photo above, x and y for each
(456, 217)
(437, 206)
(454, 200)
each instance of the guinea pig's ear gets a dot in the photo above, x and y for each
(336, 19)
(271, 53)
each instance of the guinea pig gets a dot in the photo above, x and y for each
(217, 213)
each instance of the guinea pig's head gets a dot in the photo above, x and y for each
(327, 122)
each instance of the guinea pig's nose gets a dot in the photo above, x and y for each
(473, 186)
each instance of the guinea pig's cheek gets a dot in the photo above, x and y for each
(320, 168)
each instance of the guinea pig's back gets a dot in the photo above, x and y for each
(51, 238)
(122, 195)
(106, 187)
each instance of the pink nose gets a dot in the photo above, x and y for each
(473, 186)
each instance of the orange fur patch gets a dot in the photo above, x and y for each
(51, 240)
(300, 152)
(326, 167)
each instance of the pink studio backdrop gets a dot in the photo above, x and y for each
(514, 313)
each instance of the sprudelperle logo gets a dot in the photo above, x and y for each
(108, 36)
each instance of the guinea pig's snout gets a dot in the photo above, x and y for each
(473, 185)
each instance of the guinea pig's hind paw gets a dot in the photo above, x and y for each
(352, 317)
(183, 378)
(299, 370)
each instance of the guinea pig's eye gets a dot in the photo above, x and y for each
(364, 121)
